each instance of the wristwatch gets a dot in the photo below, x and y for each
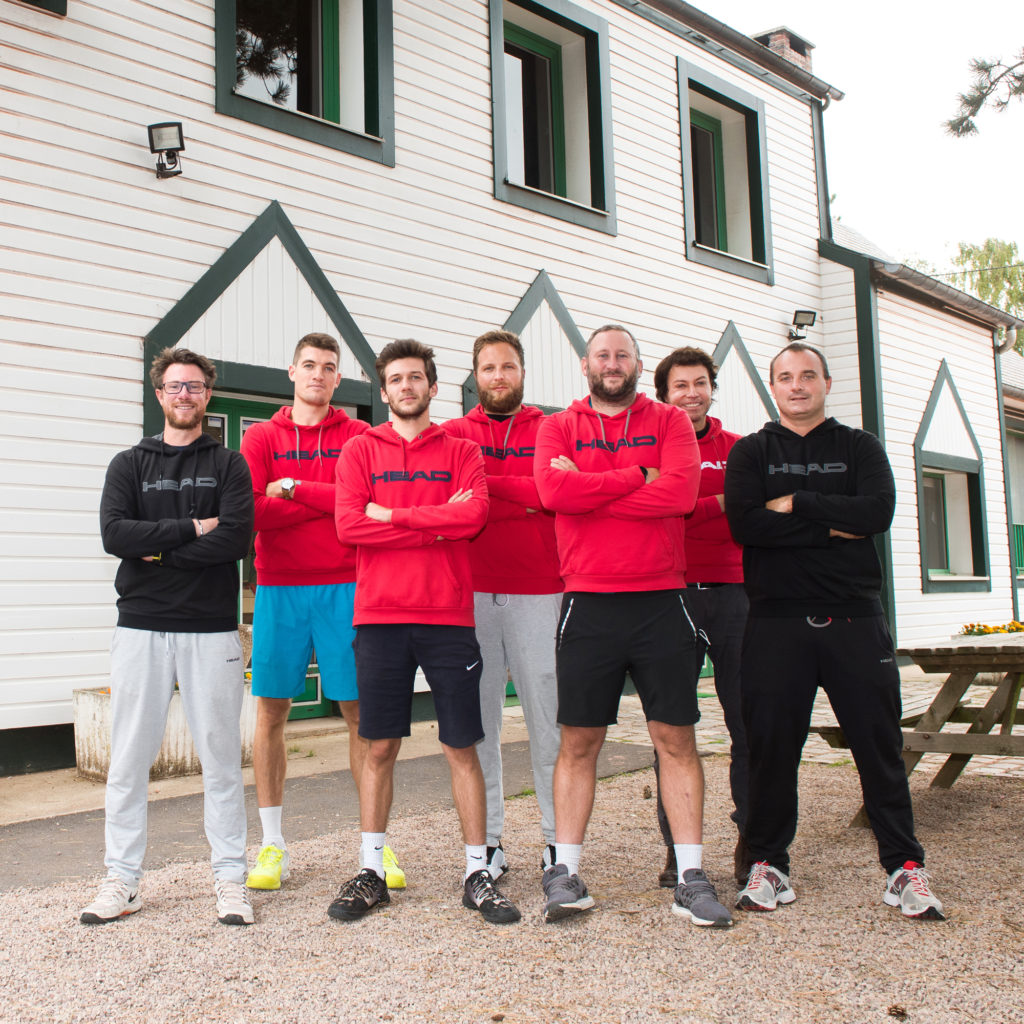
(288, 486)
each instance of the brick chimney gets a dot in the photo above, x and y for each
(786, 43)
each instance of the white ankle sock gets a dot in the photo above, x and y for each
(688, 855)
(569, 855)
(476, 858)
(371, 852)
(270, 819)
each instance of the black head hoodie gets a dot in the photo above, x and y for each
(151, 495)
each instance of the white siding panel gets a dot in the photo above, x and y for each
(553, 373)
(737, 402)
(947, 434)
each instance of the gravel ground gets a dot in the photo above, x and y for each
(836, 955)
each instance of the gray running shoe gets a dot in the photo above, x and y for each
(766, 888)
(696, 899)
(233, 904)
(565, 894)
(908, 889)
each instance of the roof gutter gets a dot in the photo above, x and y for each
(949, 297)
(721, 33)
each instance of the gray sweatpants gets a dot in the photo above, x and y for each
(516, 633)
(143, 668)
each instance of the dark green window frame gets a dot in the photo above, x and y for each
(377, 142)
(711, 192)
(973, 470)
(600, 214)
(761, 266)
(551, 53)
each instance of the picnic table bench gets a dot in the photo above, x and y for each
(995, 661)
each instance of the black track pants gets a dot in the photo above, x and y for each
(784, 662)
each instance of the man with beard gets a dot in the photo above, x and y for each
(805, 497)
(516, 583)
(409, 498)
(715, 598)
(306, 584)
(620, 472)
(177, 510)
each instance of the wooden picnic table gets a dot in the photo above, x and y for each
(996, 661)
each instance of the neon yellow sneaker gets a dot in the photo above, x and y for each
(271, 868)
(393, 874)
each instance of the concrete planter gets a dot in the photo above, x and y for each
(177, 755)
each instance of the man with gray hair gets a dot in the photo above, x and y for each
(620, 472)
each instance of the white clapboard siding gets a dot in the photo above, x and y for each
(837, 330)
(96, 252)
(554, 376)
(914, 340)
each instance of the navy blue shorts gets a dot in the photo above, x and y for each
(646, 634)
(386, 660)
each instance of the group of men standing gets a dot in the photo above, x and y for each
(623, 537)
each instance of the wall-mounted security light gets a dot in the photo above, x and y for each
(802, 319)
(167, 141)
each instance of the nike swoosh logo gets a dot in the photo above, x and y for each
(474, 665)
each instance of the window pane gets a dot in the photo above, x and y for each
(705, 186)
(278, 48)
(936, 550)
(535, 153)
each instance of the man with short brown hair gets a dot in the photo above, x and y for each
(177, 510)
(516, 583)
(805, 497)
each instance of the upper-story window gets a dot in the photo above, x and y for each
(318, 69)
(552, 110)
(725, 175)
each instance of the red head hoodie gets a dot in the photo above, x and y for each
(712, 556)
(616, 531)
(296, 543)
(516, 553)
(415, 568)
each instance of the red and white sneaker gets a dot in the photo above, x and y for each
(766, 888)
(908, 889)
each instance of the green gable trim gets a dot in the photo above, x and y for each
(541, 289)
(821, 173)
(731, 341)
(974, 471)
(377, 144)
(246, 378)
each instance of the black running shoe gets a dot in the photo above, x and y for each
(358, 895)
(481, 895)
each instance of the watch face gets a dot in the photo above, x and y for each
(288, 484)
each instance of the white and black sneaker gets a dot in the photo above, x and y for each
(480, 894)
(497, 864)
(116, 899)
(233, 903)
(548, 857)
(359, 895)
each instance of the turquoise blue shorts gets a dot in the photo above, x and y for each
(288, 624)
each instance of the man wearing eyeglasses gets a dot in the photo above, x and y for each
(177, 509)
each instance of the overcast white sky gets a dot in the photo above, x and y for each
(897, 177)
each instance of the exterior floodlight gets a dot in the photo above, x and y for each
(801, 318)
(167, 141)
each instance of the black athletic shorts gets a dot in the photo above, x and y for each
(602, 637)
(386, 660)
